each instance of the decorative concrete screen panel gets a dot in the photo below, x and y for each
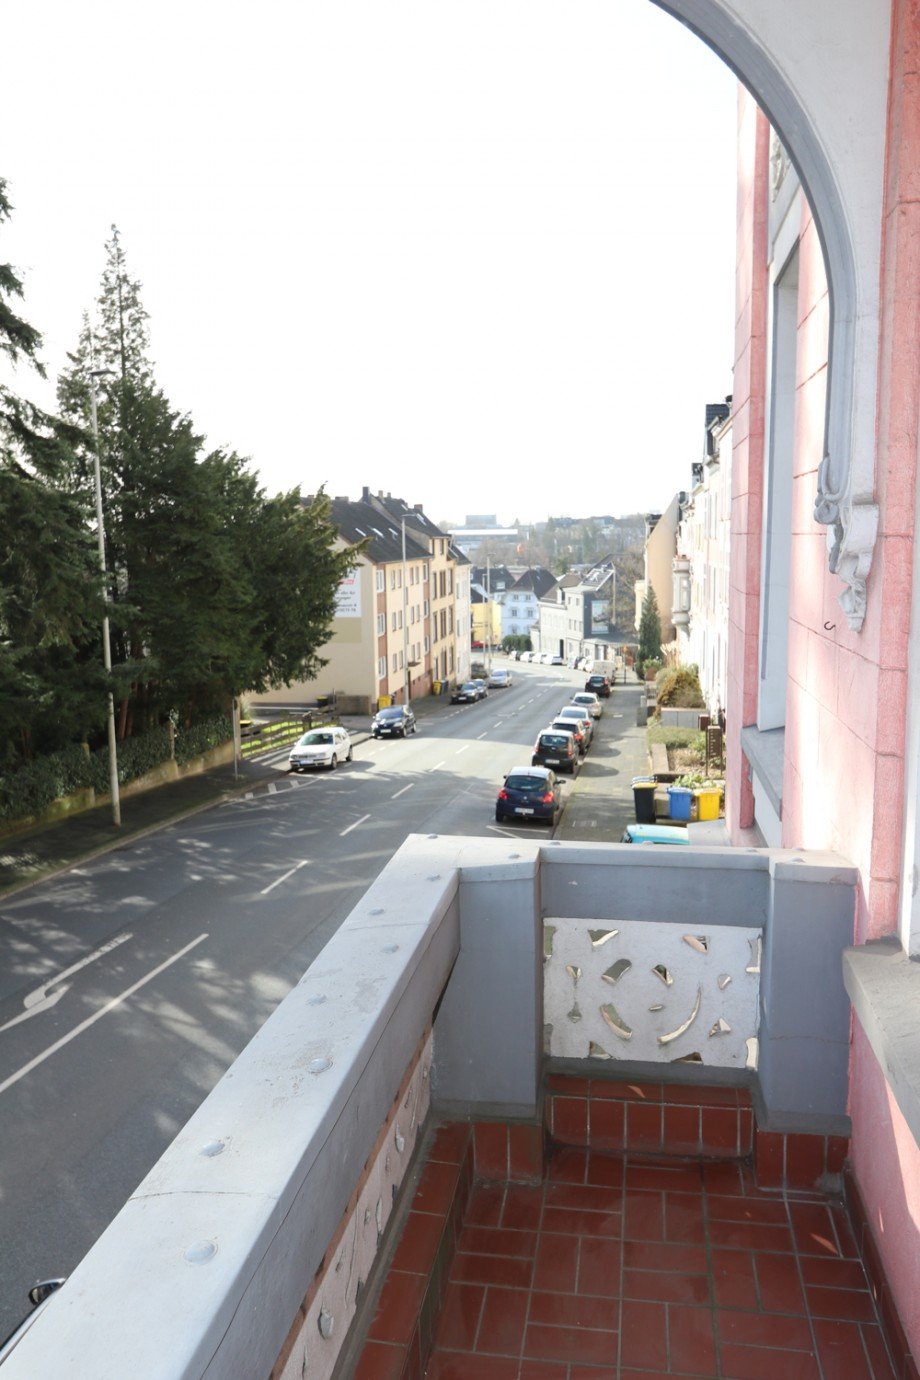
(651, 991)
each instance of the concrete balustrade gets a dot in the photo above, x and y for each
(206, 1269)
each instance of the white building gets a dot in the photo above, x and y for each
(699, 609)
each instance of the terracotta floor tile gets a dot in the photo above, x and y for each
(497, 1241)
(766, 1363)
(751, 1236)
(649, 1255)
(813, 1228)
(758, 1329)
(675, 1177)
(778, 1283)
(380, 1361)
(418, 1244)
(643, 1375)
(591, 1197)
(501, 1328)
(643, 1215)
(485, 1205)
(567, 1165)
(599, 1267)
(491, 1269)
(849, 1304)
(733, 1279)
(450, 1142)
(523, 1207)
(833, 1273)
(543, 1370)
(397, 1308)
(458, 1322)
(460, 1365)
(877, 1351)
(840, 1350)
(606, 1169)
(643, 1340)
(575, 1310)
(726, 1177)
(570, 1344)
(691, 1343)
(596, 1373)
(556, 1263)
(741, 1208)
(581, 1222)
(683, 1218)
(657, 1286)
(436, 1187)
(845, 1238)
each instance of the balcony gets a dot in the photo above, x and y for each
(536, 1107)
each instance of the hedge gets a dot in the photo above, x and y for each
(36, 785)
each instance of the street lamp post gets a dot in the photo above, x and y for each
(106, 642)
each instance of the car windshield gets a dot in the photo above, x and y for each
(525, 783)
(559, 741)
(390, 714)
(469, 685)
(311, 739)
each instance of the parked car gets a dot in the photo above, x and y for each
(483, 687)
(575, 729)
(557, 749)
(577, 713)
(396, 721)
(500, 680)
(556, 660)
(467, 693)
(320, 747)
(587, 700)
(529, 793)
(654, 833)
(598, 684)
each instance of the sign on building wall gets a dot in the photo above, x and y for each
(348, 596)
(601, 616)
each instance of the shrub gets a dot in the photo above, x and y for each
(674, 737)
(210, 733)
(37, 784)
(136, 756)
(679, 688)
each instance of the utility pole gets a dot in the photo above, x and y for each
(106, 642)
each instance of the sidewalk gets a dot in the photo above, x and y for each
(600, 802)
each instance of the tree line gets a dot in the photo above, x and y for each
(214, 588)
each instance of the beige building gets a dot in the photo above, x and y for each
(660, 550)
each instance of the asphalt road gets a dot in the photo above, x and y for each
(130, 984)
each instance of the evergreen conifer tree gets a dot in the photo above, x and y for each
(650, 629)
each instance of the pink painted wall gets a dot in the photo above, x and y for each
(747, 449)
(843, 785)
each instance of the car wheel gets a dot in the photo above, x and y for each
(333, 762)
(350, 756)
(499, 817)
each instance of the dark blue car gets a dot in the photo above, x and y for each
(529, 793)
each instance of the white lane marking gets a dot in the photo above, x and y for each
(436, 766)
(498, 830)
(39, 1000)
(498, 723)
(463, 749)
(279, 880)
(353, 826)
(97, 1016)
(403, 791)
(481, 735)
(272, 787)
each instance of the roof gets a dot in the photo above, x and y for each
(356, 521)
(538, 579)
(398, 508)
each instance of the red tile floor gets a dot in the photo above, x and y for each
(621, 1267)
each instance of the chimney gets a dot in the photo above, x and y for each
(417, 507)
(365, 494)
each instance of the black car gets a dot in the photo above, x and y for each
(483, 688)
(467, 693)
(556, 749)
(598, 685)
(576, 731)
(397, 721)
(529, 793)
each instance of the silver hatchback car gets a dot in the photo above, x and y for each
(321, 747)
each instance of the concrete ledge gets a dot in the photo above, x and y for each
(765, 751)
(884, 986)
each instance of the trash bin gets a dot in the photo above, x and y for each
(679, 799)
(644, 796)
(707, 802)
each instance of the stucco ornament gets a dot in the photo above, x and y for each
(779, 163)
(851, 532)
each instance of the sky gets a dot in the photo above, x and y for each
(477, 254)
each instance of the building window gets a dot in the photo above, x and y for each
(381, 624)
(393, 621)
(427, 644)
(426, 608)
(381, 581)
(382, 668)
(425, 573)
(400, 661)
(395, 664)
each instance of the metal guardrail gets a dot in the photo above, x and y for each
(265, 737)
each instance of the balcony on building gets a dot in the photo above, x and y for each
(536, 1105)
